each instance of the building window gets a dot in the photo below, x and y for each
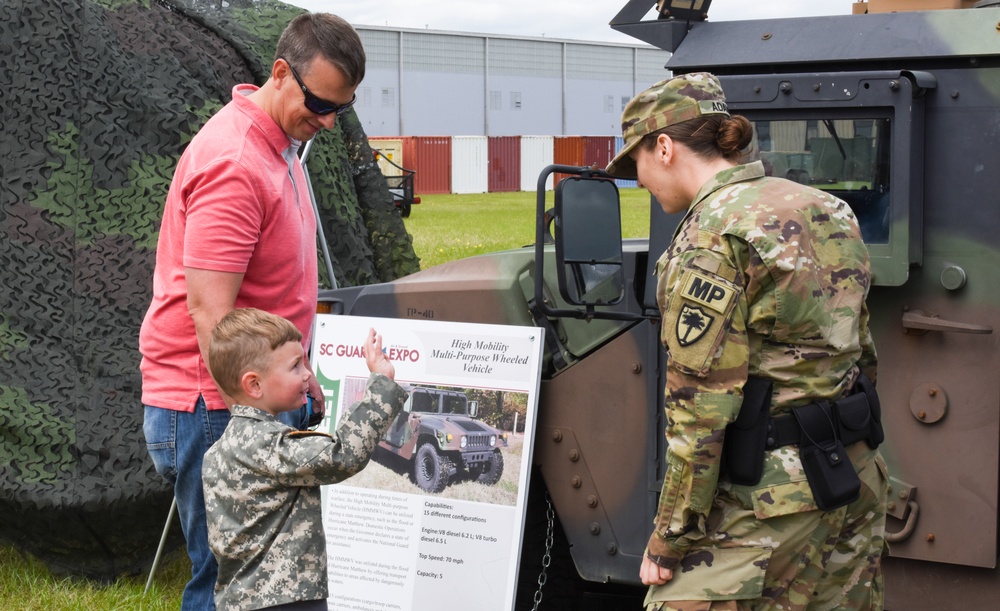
(515, 100)
(365, 97)
(495, 102)
(625, 100)
(388, 97)
(609, 103)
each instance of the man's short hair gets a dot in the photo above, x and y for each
(325, 34)
(243, 341)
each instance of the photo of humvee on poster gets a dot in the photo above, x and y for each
(454, 442)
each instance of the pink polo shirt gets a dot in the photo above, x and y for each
(232, 207)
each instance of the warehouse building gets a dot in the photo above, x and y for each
(437, 83)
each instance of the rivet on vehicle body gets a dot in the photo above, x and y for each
(903, 494)
(894, 85)
(557, 436)
(815, 86)
(932, 392)
(954, 94)
(921, 414)
(595, 528)
(636, 367)
(574, 455)
(756, 88)
(890, 505)
(930, 537)
(785, 87)
(592, 500)
(575, 481)
(612, 549)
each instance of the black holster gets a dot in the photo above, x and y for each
(746, 437)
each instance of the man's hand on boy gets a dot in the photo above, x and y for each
(377, 361)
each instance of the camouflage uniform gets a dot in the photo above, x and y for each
(763, 277)
(262, 497)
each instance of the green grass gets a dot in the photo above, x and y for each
(444, 228)
(27, 585)
(451, 227)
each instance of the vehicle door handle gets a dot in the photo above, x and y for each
(919, 322)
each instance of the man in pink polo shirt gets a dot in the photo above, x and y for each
(238, 231)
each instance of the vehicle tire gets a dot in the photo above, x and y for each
(492, 470)
(431, 470)
(404, 209)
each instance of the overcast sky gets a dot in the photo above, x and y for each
(574, 19)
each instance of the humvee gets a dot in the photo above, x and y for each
(897, 113)
(439, 438)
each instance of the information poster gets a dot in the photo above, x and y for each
(434, 520)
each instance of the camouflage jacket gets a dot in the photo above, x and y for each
(262, 497)
(763, 277)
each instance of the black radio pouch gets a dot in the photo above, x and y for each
(831, 475)
(746, 437)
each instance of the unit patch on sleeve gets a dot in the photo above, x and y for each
(697, 318)
(708, 291)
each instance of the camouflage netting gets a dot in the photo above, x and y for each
(98, 100)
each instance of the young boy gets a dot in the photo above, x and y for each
(262, 478)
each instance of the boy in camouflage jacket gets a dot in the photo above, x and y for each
(261, 480)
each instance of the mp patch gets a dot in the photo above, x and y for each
(710, 292)
(697, 319)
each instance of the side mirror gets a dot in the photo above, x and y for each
(473, 408)
(588, 239)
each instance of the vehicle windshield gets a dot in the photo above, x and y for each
(423, 402)
(848, 158)
(454, 404)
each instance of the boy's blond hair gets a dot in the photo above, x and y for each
(243, 341)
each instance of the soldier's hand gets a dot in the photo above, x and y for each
(376, 360)
(653, 574)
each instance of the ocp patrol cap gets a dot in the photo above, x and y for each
(666, 103)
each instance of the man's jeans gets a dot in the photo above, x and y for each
(177, 442)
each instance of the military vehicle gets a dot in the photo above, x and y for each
(438, 436)
(898, 113)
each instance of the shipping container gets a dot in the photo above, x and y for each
(536, 155)
(430, 158)
(469, 164)
(621, 182)
(567, 150)
(505, 163)
(390, 149)
(598, 150)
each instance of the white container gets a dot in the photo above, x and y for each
(537, 152)
(469, 164)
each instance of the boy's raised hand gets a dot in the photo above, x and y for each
(375, 358)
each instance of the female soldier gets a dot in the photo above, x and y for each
(762, 295)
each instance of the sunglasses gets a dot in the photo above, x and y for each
(316, 104)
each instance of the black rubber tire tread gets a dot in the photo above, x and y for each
(431, 471)
(493, 471)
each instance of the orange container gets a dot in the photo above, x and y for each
(430, 158)
(567, 150)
